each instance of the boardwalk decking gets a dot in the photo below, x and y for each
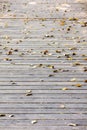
(43, 65)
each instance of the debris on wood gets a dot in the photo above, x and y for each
(62, 106)
(2, 115)
(85, 69)
(34, 121)
(62, 22)
(78, 85)
(73, 79)
(7, 59)
(85, 81)
(73, 19)
(50, 66)
(70, 58)
(49, 36)
(50, 75)
(55, 71)
(76, 63)
(65, 88)
(85, 59)
(84, 24)
(9, 53)
(11, 115)
(72, 124)
(29, 93)
(58, 51)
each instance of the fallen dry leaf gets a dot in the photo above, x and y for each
(34, 121)
(78, 85)
(85, 81)
(62, 106)
(65, 88)
(76, 63)
(72, 124)
(85, 69)
(73, 79)
(29, 93)
(73, 19)
(2, 115)
(9, 53)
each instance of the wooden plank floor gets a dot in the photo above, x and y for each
(43, 65)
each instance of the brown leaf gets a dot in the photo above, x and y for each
(73, 19)
(84, 24)
(85, 81)
(62, 22)
(85, 69)
(2, 115)
(76, 63)
(78, 85)
(9, 53)
(58, 51)
(7, 59)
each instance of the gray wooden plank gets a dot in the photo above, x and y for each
(43, 111)
(47, 97)
(49, 116)
(44, 128)
(42, 106)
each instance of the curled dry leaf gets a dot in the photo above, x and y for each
(84, 24)
(29, 93)
(78, 85)
(62, 22)
(67, 55)
(85, 59)
(73, 53)
(40, 65)
(50, 75)
(72, 124)
(70, 58)
(11, 115)
(43, 19)
(73, 48)
(62, 106)
(55, 71)
(85, 81)
(76, 63)
(83, 55)
(2, 115)
(9, 53)
(50, 66)
(68, 29)
(21, 54)
(16, 50)
(85, 69)
(58, 51)
(7, 59)
(65, 88)
(57, 8)
(34, 121)
(45, 52)
(73, 19)
(7, 37)
(73, 80)
(49, 36)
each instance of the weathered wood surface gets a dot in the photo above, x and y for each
(43, 48)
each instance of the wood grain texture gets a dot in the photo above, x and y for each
(43, 51)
